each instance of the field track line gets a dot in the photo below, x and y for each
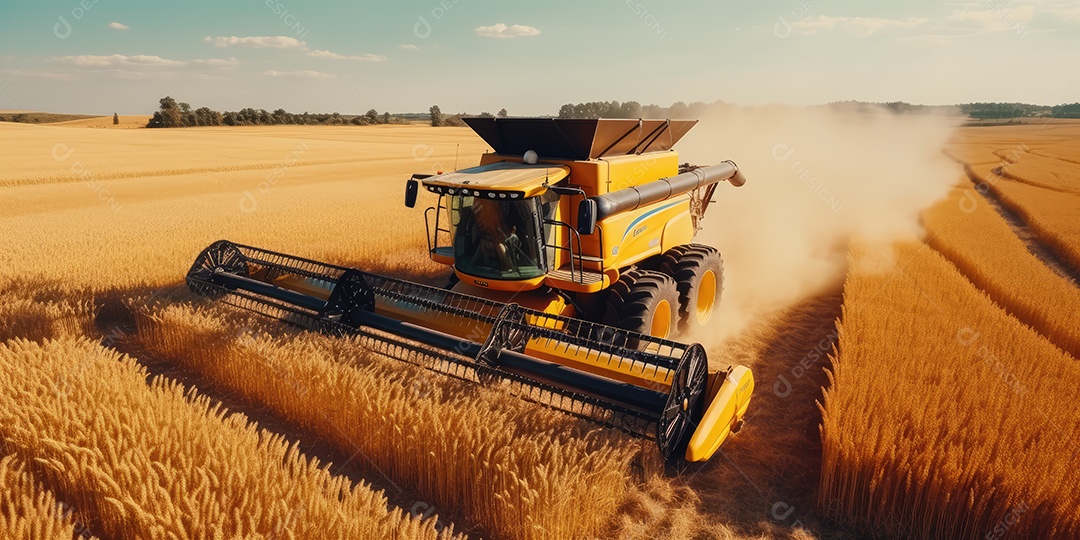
(1003, 171)
(1022, 231)
(1059, 158)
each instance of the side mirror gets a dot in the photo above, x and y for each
(412, 187)
(586, 217)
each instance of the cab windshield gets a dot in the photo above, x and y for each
(496, 239)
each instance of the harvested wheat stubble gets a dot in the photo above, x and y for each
(28, 510)
(970, 233)
(147, 461)
(1054, 216)
(946, 417)
(512, 468)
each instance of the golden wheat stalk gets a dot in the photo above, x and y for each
(30, 511)
(156, 461)
(512, 468)
(946, 417)
(970, 233)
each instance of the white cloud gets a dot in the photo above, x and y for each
(1016, 17)
(336, 56)
(118, 26)
(285, 42)
(409, 47)
(42, 74)
(501, 30)
(118, 60)
(216, 62)
(257, 42)
(860, 26)
(303, 73)
(139, 65)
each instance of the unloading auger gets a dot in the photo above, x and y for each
(571, 310)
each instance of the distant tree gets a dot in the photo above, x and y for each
(115, 119)
(436, 116)
(486, 115)
(204, 116)
(454, 120)
(187, 118)
(630, 109)
(168, 115)
(678, 110)
(653, 111)
(502, 113)
(1067, 111)
(386, 118)
(373, 116)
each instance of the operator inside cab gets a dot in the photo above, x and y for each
(488, 239)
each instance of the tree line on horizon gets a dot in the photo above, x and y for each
(172, 114)
(979, 111)
(439, 119)
(630, 109)
(178, 114)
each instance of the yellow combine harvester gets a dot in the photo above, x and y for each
(573, 271)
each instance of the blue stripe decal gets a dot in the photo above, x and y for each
(645, 215)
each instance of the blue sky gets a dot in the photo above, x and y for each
(101, 56)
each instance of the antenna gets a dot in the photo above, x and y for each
(456, 148)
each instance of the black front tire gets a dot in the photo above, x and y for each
(698, 271)
(644, 301)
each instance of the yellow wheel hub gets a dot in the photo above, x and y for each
(706, 297)
(661, 321)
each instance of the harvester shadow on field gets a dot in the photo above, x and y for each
(765, 482)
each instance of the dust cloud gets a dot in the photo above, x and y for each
(815, 179)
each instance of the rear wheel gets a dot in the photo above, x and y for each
(698, 272)
(644, 301)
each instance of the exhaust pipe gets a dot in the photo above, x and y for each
(630, 198)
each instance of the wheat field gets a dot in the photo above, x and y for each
(29, 510)
(1045, 172)
(155, 461)
(536, 474)
(973, 412)
(1052, 215)
(101, 225)
(970, 232)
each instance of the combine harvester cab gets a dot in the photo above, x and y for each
(538, 278)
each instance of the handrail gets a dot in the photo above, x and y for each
(427, 227)
(574, 254)
(433, 239)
